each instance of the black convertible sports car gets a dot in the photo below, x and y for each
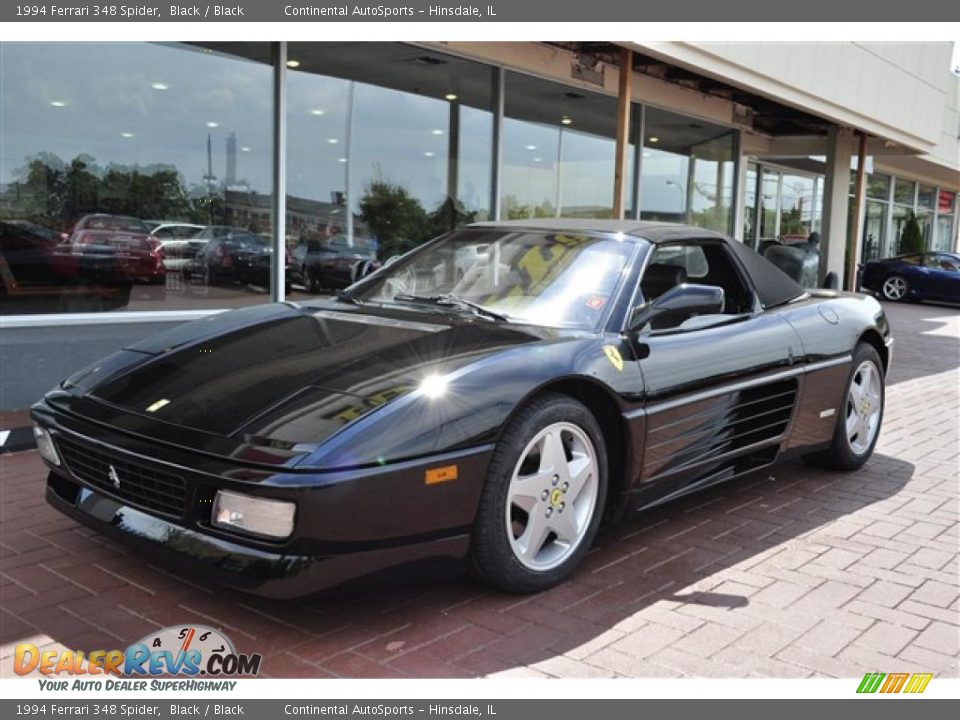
(496, 412)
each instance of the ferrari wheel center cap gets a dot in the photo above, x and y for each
(556, 497)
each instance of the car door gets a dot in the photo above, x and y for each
(719, 390)
(943, 277)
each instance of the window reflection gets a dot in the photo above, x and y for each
(687, 172)
(120, 140)
(559, 149)
(389, 145)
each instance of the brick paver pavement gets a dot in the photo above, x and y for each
(794, 573)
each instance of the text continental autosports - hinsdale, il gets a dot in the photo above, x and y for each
(382, 710)
(382, 11)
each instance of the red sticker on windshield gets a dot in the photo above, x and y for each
(596, 302)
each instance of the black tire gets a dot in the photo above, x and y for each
(840, 455)
(492, 558)
(885, 291)
(313, 282)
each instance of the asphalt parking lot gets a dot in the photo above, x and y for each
(794, 573)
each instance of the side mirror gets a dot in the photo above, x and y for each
(678, 304)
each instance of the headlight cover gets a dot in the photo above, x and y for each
(48, 450)
(253, 515)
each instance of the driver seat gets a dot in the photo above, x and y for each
(660, 277)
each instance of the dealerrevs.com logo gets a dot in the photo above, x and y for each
(186, 651)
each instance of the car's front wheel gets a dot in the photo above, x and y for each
(895, 288)
(543, 498)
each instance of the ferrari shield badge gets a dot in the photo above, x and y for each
(613, 355)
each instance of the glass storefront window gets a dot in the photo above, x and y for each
(798, 214)
(898, 221)
(559, 150)
(688, 171)
(121, 140)
(750, 206)
(927, 197)
(874, 230)
(904, 192)
(388, 146)
(769, 203)
(878, 186)
(925, 219)
(945, 237)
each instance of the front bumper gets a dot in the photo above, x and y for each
(268, 574)
(346, 527)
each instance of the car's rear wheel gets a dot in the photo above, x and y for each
(543, 498)
(860, 414)
(895, 288)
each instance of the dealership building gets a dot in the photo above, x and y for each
(300, 141)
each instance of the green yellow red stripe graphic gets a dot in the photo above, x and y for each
(913, 683)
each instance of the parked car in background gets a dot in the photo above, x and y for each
(594, 368)
(228, 255)
(132, 250)
(334, 263)
(179, 242)
(467, 256)
(40, 273)
(918, 276)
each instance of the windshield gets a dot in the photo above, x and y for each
(539, 277)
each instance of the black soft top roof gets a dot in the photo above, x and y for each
(773, 286)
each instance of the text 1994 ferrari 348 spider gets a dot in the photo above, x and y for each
(496, 412)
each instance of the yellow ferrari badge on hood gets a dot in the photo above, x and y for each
(613, 355)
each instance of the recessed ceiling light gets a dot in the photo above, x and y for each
(160, 86)
(438, 131)
(538, 159)
(126, 134)
(332, 141)
(245, 148)
(646, 154)
(450, 96)
(293, 63)
(566, 121)
(57, 103)
(531, 147)
(429, 153)
(213, 124)
(654, 139)
(318, 112)
(341, 159)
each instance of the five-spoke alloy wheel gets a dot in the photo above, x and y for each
(895, 288)
(860, 414)
(552, 496)
(543, 499)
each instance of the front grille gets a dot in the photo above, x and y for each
(142, 486)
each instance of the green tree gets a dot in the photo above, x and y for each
(911, 237)
(394, 217)
(449, 215)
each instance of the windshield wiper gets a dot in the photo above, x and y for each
(453, 301)
(347, 297)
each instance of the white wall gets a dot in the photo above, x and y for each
(903, 92)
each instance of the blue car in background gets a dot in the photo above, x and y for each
(920, 276)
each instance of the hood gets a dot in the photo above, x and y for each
(282, 376)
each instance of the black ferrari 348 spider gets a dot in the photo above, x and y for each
(494, 411)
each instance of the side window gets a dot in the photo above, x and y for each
(911, 259)
(696, 263)
(945, 262)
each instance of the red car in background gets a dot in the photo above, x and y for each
(127, 239)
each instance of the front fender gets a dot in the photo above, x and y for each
(469, 405)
